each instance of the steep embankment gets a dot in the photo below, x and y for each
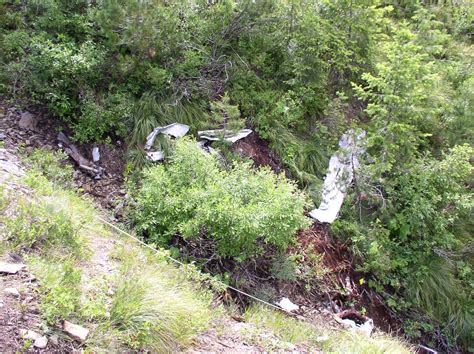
(123, 296)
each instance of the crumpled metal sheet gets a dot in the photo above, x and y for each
(227, 135)
(339, 177)
(176, 130)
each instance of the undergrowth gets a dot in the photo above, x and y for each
(238, 208)
(315, 336)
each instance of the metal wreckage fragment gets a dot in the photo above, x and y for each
(83, 163)
(342, 166)
(178, 130)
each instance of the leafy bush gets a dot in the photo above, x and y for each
(413, 193)
(240, 209)
(51, 165)
(37, 225)
(61, 291)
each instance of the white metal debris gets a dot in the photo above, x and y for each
(95, 154)
(176, 130)
(155, 156)
(73, 151)
(222, 134)
(287, 305)
(366, 328)
(363, 324)
(339, 177)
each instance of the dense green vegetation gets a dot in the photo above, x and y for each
(238, 208)
(300, 73)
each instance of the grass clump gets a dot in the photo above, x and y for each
(51, 165)
(152, 307)
(317, 336)
(238, 208)
(60, 288)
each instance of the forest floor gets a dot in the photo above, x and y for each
(20, 312)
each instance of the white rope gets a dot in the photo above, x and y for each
(183, 265)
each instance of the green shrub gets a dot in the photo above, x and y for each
(240, 209)
(39, 225)
(101, 119)
(60, 287)
(51, 165)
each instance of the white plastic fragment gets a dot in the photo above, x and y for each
(155, 155)
(176, 130)
(95, 154)
(339, 177)
(287, 305)
(222, 134)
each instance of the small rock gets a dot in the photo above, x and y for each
(29, 334)
(27, 121)
(41, 342)
(11, 268)
(54, 339)
(2, 136)
(77, 332)
(34, 310)
(12, 291)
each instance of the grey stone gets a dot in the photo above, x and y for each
(12, 291)
(11, 268)
(41, 342)
(27, 121)
(29, 334)
(54, 339)
(77, 332)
